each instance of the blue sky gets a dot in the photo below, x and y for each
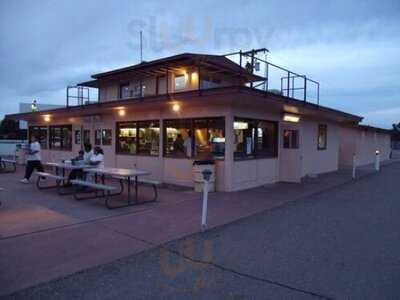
(351, 47)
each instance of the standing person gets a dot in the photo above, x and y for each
(188, 144)
(33, 159)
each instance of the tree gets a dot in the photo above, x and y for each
(9, 129)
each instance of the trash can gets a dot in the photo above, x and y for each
(198, 167)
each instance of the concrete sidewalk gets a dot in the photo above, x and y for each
(33, 257)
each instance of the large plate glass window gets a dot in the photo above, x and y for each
(209, 136)
(41, 133)
(61, 137)
(148, 137)
(178, 138)
(126, 138)
(255, 138)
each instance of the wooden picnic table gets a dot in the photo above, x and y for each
(122, 174)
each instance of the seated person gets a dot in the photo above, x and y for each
(76, 173)
(97, 158)
(88, 152)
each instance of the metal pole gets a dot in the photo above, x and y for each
(305, 89)
(206, 178)
(354, 166)
(288, 84)
(377, 160)
(205, 203)
(141, 46)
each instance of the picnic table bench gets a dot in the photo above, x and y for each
(145, 181)
(105, 189)
(43, 175)
(4, 162)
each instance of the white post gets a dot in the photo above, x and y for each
(377, 160)
(354, 166)
(206, 178)
(205, 202)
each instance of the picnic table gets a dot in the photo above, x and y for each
(60, 167)
(122, 174)
(67, 166)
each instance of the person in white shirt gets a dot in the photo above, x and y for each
(97, 158)
(33, 159)
(88, 153)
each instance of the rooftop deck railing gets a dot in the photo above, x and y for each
(273, 78)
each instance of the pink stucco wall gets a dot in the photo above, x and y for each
(363, 143)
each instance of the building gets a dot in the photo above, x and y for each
(162, 115)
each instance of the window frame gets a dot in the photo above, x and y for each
(297, 145)
(176, 76)
(34, 128)
(109, 130)
(322, 128)
(136, 126)
(255, 153)
(62, 147)
(121, 86)
(192, 129)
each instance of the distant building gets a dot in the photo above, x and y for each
(25, 107)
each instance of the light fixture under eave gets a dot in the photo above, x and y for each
(47, 118)
(176, 107)
(121, 112)
(291, 118)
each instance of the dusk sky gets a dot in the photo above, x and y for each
(351, 47)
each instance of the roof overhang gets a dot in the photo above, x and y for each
(238, 95)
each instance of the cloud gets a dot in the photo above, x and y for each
(350, 47)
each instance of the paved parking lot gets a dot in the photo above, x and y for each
(339, 240)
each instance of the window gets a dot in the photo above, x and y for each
(290, 139)
(209, 136)
(61, 137)
(106, 137)
(86, 136)
(208, 82)
(142, 137)
(266, 144)
(255, 138)
(207, 142)
(180, 82)
(138, 90)
(97, 137)
(178, 138)
(148, 137)
(124, 91)
(41, 133)
(322, 136)
(126, 138)
(77, 137)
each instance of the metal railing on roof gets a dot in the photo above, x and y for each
(287, 87)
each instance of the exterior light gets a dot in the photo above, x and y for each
(291, 118)
(377, 152)
(121, 112)
(47, 118)
(176, 107)
(194, 77)
(240, 125)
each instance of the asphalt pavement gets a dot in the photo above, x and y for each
(343, 243)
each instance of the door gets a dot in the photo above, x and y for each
(290, 164)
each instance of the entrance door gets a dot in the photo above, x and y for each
(290, 164)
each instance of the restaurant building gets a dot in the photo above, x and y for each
(162, 115)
